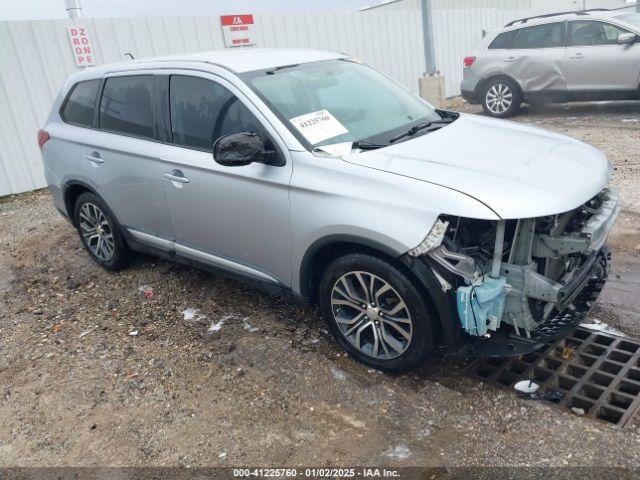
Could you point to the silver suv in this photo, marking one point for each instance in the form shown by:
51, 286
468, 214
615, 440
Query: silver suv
414, 230
581, 56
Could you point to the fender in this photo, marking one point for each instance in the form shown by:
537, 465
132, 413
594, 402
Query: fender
441, 300
306, 266
444, 302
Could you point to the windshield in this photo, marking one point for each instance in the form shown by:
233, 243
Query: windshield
630, 18
339, 101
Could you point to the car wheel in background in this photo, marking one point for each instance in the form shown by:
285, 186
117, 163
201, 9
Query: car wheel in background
376, 312
99, 232
501, 98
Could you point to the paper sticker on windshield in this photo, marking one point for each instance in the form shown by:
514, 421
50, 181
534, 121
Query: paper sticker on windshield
318, 126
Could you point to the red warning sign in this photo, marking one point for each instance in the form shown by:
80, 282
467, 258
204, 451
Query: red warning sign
237, 30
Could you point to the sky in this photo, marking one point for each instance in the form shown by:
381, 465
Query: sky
44, 9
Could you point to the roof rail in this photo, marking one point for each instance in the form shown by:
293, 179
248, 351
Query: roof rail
549, 15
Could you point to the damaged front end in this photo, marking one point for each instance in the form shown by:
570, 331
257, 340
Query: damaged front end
518, 283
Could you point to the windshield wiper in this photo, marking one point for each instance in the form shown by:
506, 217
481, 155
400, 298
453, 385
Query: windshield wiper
416, 128
277, 69
364, 145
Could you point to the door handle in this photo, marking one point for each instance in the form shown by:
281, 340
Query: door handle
577, 55
94, 157
510, 59
176, 176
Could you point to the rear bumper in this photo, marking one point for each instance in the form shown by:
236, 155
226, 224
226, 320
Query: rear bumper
469, 85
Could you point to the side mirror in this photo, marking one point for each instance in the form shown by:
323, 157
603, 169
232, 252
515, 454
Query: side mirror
627, 38
239, 149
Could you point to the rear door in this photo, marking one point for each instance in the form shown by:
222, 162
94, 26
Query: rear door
235, 218
122, 161
596, 63
535, 58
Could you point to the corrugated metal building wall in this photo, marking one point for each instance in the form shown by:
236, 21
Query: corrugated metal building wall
547, 5
35, 59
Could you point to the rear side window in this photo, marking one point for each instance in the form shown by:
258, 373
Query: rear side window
589, 33
203, 111
126, 105
81, 103
502, 41
541, 36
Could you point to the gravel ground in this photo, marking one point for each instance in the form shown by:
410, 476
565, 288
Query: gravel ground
203, 371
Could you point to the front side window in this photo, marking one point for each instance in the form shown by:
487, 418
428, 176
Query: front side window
203, 111
80, 106
126, 105
590, 33
337, 101
541, 36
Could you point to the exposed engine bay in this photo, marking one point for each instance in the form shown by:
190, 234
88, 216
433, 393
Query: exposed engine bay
514, 274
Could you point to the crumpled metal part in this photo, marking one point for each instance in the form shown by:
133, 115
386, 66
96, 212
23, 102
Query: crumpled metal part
536, 75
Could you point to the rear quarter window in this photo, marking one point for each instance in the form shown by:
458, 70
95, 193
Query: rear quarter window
126, 105
502, 41
81, 103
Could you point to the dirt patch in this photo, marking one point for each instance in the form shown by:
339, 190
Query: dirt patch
625, 235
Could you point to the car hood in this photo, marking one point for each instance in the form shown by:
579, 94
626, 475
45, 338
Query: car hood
516, 170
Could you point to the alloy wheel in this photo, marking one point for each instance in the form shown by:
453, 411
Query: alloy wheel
499, 98
371, 315
96, 231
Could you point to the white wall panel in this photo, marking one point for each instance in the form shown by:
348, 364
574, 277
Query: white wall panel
35, 59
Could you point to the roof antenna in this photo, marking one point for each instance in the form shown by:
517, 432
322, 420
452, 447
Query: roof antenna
130, 55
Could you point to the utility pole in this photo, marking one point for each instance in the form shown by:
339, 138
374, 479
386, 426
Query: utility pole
427, 32
73, 8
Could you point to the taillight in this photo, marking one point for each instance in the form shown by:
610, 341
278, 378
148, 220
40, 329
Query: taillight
43, 137
468, 61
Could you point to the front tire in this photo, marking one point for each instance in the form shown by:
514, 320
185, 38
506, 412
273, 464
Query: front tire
100, 233
501, 98
376, 312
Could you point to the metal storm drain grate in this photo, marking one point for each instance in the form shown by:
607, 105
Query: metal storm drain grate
588, 370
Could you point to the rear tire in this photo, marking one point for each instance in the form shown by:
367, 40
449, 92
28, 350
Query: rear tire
376, 312
100, 232
501, 98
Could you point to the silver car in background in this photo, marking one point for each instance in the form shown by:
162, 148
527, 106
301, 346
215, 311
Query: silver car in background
581, 56
414, 230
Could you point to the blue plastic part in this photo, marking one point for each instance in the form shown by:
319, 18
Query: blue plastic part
480, 307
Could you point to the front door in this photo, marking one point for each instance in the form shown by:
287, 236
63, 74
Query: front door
595, 62
235, 218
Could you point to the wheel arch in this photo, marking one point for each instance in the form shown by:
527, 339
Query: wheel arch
320, 254
324, 250
482, 84
70, 193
